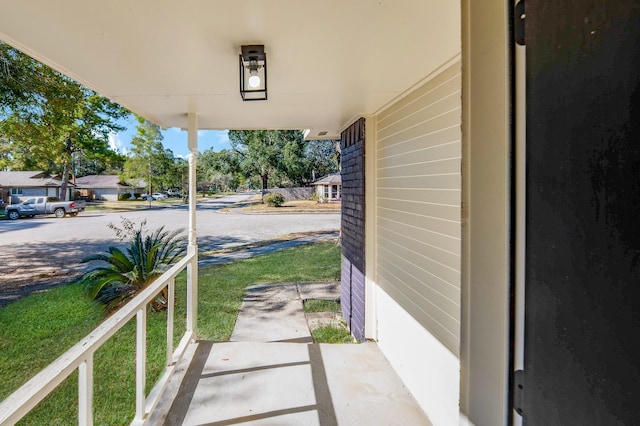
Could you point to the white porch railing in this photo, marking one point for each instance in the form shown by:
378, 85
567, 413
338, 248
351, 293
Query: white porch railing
80, 356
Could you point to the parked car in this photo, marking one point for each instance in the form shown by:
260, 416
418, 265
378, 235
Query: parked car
155, 196
159, 196
44, 205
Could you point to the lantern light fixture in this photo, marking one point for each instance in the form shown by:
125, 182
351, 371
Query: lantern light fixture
253, 73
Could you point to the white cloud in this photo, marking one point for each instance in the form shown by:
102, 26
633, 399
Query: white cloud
221, 139
116, 144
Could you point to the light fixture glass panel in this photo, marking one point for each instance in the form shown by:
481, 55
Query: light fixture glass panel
253, 73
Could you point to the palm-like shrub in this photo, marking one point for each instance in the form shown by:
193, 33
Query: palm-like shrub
131, 270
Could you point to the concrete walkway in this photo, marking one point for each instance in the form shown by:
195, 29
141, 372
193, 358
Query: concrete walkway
271, 373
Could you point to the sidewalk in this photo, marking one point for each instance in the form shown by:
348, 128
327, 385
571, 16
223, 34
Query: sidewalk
271, 373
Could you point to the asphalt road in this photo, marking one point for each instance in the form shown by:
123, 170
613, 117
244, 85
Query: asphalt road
36, 252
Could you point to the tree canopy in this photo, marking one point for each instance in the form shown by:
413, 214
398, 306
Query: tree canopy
48, 120
219, 170
322, 157
148, 159
281, 157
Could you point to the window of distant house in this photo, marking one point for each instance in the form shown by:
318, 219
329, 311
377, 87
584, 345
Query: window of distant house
16, 191
326, 191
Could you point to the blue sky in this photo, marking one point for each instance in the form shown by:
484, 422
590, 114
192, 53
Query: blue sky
174, 139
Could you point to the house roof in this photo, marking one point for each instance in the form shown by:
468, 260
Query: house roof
332, 179
329, 61
21, 179
104, 181
99, 181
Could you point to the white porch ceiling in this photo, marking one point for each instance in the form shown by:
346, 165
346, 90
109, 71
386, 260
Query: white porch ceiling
328, 61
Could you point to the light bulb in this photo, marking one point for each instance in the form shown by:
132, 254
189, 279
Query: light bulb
254, 81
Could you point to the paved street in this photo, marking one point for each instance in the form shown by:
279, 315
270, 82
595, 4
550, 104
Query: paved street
35, 252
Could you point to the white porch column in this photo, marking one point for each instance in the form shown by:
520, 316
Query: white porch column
193, 149
192, 269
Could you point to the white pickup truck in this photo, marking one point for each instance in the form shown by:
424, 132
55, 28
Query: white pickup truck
44, 205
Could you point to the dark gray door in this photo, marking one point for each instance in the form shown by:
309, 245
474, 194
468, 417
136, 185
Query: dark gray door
582, 317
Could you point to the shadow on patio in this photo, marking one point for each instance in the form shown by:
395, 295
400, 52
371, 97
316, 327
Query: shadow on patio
280, 378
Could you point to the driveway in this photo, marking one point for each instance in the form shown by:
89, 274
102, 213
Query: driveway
38, 253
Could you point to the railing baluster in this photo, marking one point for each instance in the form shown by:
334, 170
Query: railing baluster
141, 361
85, 392
171, 289
192, 291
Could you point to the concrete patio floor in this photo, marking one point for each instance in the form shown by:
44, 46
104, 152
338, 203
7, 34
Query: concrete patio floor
271, 373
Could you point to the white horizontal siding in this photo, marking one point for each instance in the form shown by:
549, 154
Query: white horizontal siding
440, 144
418, 193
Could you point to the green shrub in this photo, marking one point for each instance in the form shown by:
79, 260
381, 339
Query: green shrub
123, 197
275, 199
129, 271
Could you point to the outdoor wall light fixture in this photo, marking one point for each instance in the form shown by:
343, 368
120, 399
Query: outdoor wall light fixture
253, 73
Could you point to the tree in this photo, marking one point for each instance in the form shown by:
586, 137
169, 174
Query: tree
149, 160
322, 157
16, 74
182, 173
220, 170
292, 162
48, 118
111, 162
269, 154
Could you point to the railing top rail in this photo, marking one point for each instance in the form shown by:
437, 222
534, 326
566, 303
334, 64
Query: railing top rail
37, 388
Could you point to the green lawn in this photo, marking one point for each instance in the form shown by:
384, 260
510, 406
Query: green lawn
36, 330
321, 305
331, 334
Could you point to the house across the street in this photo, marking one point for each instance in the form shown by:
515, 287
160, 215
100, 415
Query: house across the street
329, 188
105, 187
17, 186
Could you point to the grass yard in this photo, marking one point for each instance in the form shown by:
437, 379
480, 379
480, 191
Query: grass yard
331, 334
37, 329
297, 206
321, 305
331, 329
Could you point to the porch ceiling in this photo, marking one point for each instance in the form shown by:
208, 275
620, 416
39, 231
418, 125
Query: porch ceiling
328, 61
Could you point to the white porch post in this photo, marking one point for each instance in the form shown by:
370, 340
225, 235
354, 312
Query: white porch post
193, 149
192, 269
